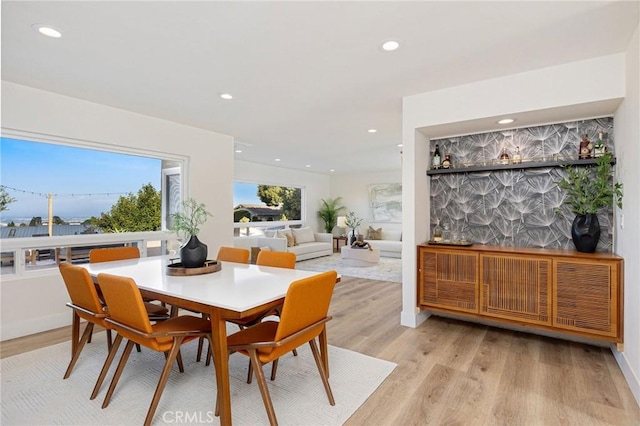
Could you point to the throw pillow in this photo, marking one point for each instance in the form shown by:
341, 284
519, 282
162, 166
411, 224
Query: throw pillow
287, 234
303, 235
374, 234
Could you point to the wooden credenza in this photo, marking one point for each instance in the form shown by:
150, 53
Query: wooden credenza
558, 290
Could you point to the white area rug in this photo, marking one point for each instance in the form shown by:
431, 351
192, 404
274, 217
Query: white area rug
34, 393
388, 269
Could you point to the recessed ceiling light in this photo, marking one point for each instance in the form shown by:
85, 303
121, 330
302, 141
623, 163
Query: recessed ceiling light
390, 45
307, 165
239, 151
47, 30
226, 96
399, 145
332, 170
372, 130
277, 159
506, 121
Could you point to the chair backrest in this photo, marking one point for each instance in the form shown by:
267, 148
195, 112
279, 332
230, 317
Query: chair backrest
307, 302
113, 253
233, 254
125, 304
82, 290
279, 259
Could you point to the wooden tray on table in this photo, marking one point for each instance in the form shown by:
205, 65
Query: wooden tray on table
210, 266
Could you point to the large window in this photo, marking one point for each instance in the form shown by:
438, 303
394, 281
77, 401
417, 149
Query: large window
59, 190
260, 207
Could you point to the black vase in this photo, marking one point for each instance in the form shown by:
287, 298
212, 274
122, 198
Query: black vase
194, 253
353, 237
585, 232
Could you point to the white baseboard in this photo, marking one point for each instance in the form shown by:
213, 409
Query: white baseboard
629, 375
35, 325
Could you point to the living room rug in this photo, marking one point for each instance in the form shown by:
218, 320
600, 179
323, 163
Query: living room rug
34, 393
388, 269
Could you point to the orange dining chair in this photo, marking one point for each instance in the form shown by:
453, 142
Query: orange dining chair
128, 317
225, 254
303, 318
278, 259
86, 305
110, 254
124, 253
233, 254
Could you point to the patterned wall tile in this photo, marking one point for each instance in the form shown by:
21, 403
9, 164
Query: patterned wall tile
514, 207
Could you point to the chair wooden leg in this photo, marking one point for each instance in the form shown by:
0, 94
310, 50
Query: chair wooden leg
118, 373
105, 367
295, 352
262, 384
200, 343
75, 332
85, 336
173, 354
274, 368
109, 339
138, 348
323, 375
179, 358
250, 373
209, 354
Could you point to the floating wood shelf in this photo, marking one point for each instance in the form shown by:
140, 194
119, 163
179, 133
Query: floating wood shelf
519, 166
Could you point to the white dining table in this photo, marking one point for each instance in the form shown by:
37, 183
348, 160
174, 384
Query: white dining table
236, 291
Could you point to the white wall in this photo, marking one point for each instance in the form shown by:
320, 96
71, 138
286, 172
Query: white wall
596, 80
627, 136
36, 304
316, 185
354, 190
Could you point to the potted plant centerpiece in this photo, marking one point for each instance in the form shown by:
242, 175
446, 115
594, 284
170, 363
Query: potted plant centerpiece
186, 223
353, 222
588, 190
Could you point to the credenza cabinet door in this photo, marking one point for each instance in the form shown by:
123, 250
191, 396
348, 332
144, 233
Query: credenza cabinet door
516, 288
448, 279
586, 296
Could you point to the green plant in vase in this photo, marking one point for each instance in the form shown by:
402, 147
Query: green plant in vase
187, 224
587, 191
353, 222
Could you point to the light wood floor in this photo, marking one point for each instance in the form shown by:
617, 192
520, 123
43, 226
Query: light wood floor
453, 372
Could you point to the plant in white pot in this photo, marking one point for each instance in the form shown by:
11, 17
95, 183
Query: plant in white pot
589, 190
186, 223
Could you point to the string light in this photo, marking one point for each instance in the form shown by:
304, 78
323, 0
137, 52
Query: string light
46, 195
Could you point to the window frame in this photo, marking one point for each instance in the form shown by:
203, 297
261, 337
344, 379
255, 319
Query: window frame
20, 245
278, 223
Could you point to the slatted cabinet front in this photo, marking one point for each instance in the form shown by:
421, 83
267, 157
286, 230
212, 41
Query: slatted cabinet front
558, 290
449, 280
516, 287
586, 297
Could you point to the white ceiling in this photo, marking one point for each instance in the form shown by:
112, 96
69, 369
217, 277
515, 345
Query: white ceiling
308, 78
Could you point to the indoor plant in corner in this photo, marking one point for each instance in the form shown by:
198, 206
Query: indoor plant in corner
588, 190
329, 212
186, 223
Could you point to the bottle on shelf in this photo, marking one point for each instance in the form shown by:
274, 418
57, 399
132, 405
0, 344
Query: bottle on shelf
436, 159
437, 232
504, 156
599, 148
446, 232
446, 163
585, 148
517, 158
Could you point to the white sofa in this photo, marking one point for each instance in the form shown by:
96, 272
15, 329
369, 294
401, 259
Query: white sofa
390, 244
306, 245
